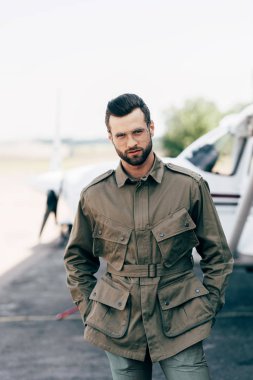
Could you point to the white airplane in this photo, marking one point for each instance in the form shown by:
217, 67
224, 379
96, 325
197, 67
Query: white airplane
224, 157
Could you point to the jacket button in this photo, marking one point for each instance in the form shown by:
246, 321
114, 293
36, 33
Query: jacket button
186, 224
119, 304
166, 303
162, 234
122, 238
94, 293
100, 232
197, 290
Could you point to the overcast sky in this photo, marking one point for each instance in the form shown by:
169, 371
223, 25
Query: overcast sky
89, 51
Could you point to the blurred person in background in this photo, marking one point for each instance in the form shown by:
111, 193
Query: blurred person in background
144, 219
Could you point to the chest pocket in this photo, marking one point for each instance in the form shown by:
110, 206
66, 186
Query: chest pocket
175, 236
110, 240
110, 309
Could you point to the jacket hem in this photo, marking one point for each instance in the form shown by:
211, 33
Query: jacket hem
198, 338
135, 355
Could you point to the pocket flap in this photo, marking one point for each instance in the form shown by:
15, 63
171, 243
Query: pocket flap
178, 293
110, 294
173, 225
110, 230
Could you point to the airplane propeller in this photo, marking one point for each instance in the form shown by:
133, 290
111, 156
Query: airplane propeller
51, 206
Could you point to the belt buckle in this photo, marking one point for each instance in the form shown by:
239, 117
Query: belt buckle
152, 270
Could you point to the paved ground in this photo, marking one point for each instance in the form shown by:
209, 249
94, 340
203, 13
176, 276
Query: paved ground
35, 346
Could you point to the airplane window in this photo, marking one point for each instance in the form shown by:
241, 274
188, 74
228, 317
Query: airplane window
220, 157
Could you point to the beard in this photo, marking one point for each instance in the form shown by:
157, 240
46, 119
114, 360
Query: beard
140, 156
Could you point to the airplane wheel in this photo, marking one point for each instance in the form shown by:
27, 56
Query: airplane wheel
65, 232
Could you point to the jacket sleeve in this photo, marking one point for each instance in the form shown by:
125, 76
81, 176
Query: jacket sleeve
80, 263
216, 259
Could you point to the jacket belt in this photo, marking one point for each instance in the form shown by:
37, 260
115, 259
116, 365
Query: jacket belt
150, 270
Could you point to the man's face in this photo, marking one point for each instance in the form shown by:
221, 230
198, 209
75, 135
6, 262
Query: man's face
131, 137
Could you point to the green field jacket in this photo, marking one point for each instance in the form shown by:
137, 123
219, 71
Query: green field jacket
146, 230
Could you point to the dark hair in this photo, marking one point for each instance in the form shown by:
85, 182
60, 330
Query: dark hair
123, 105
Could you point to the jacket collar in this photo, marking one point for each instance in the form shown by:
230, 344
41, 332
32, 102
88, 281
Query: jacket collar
156, 173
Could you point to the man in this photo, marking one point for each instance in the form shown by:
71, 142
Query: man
144, 219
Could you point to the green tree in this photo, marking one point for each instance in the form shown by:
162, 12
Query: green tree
186, 124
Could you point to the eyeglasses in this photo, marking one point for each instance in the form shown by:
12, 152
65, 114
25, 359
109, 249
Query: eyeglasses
137, 134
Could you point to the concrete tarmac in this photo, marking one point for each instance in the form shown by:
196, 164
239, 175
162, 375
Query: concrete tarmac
36, 346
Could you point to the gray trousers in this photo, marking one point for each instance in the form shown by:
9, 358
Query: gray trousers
189, 364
